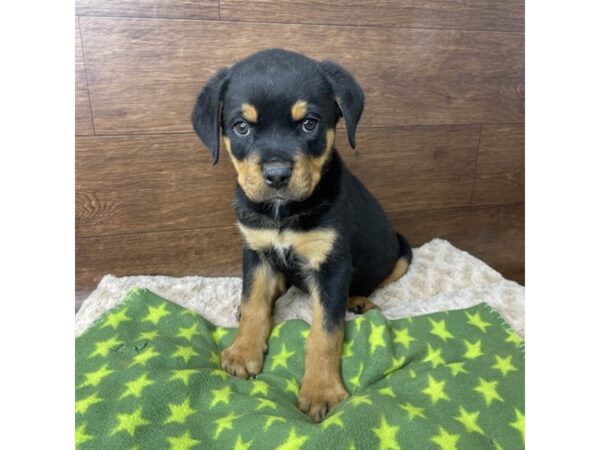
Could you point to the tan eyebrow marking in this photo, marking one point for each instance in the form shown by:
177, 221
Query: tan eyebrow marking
249, 112
299, 110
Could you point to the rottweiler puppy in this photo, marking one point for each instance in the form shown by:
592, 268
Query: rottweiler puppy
306, 220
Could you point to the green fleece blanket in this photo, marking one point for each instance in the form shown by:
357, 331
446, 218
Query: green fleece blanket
148, 377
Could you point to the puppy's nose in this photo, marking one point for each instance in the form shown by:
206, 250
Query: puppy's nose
277, 174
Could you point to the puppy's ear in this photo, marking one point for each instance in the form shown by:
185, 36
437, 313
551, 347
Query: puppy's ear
348, 94
206, 116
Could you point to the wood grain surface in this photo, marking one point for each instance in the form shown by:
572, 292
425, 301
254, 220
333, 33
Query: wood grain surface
145, 73
83, 113
500, 165
465, 15
172, 9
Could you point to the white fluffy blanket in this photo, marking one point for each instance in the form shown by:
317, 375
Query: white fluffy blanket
440, 278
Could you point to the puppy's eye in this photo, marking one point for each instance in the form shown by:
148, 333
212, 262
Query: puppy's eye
309, 125
241, 128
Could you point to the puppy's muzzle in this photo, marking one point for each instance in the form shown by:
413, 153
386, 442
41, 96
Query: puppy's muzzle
277, 174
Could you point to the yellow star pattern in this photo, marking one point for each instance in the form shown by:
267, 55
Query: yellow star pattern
225, 423
80, 435
347, 349
439, 329
156, 313
445, 440
413, 411
456, 368
143, 357
180, 412
335, 419
220, 373
403, 337
488, 390
514, 338
387, 391
259, 387
186, 352
435, 390
103, 348
281, 358
473, 350
183, 442
469, 420
476, 320
241, 445
504, 365
271, 420
358, 321
386, 435
94, 378
292, 386
359, 399
305, 333
376, 337
218, 334
136, 386
519, 423
81, 406
147, 335
397, 363
115, 319
434, 356
355, 380
189, 333
215, 359
265, 403
294, 441
183, 375
276, 330
220, 396
130, 422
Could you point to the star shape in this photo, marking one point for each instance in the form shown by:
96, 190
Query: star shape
81, 406
413, 411
469, 420
80, 435
386, 435
397, 363
241, 445
220, 373
376, 337
186, 352
387, 391
504, 365
114, 319
281, 358
488, 390
435, 390
265, 403
180, 412
305, 333
94, 378
358, 322
403, 337
434, 356
359, 399
347, 349
218, 334
183, 442
147, 335
276, 329
473, 350
519, 423
259, 387
215, 359
477, 321
143, 357
439, 329
294, 441
225, 423
136, 386
272, 419
355, 380
292, 386
456, 368
220, 396
514, 338
333, 420
130, 422
183, 375
189, 333
156, 313
445, 440
103, 348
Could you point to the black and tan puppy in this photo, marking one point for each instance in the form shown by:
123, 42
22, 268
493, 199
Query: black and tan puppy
306, 220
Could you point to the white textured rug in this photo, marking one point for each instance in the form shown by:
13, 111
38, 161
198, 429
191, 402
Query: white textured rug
440, 278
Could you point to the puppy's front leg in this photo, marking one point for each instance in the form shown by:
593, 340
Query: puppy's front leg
322, 386
262, 286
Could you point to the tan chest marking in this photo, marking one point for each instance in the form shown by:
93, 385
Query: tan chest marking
311, 246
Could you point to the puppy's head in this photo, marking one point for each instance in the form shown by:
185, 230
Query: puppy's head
276, 112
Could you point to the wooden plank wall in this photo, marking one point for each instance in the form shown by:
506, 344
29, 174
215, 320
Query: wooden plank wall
441, 142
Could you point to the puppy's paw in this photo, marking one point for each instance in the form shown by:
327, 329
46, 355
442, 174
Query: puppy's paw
242, 361
360, 305
317, 398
